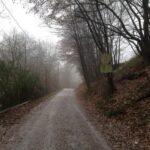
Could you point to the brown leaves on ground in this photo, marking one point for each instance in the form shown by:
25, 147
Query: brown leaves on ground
14, 116
125, 119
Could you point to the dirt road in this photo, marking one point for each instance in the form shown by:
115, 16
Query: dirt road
57, 124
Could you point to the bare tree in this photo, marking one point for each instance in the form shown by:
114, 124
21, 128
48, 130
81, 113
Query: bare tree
27, 69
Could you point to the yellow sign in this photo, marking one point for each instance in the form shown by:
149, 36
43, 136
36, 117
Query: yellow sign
106, 63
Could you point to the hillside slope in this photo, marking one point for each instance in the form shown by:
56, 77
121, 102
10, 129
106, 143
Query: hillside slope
125, 118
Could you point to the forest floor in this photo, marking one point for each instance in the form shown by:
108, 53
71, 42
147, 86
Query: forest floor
124, 119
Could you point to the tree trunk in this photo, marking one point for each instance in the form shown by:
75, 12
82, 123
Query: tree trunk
145, 43
111, 86
145, 50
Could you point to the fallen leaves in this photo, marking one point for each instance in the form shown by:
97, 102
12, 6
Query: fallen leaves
129, 130
14, 116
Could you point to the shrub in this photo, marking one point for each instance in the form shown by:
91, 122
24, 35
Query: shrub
17, 85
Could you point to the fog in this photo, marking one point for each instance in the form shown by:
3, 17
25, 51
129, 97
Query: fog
69, 76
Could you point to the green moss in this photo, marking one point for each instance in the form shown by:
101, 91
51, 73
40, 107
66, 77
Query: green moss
114, 113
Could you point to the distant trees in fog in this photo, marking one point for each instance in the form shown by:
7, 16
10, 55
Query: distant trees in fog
28, 69
98, 29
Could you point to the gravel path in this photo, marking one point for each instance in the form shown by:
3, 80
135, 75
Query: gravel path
57, 124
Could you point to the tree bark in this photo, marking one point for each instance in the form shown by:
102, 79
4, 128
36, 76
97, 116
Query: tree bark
110, 84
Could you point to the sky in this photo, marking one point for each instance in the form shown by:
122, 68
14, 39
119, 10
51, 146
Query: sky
32, 24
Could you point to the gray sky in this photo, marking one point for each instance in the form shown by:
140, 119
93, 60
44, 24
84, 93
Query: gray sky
30, 23
33, 25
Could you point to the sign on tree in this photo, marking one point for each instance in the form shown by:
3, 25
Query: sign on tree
106, 63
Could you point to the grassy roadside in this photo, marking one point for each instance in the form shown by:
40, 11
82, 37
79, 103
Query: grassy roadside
125, 119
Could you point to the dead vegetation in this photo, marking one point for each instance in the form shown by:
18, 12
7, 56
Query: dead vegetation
125, 117
13, 116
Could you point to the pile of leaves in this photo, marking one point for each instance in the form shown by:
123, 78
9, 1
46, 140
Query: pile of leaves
125, 118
